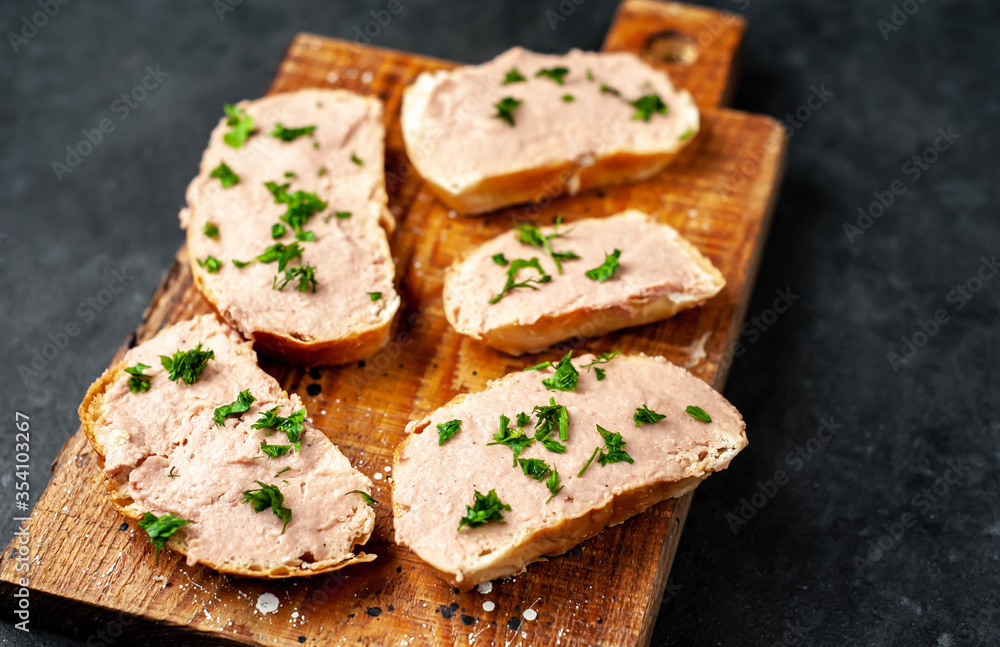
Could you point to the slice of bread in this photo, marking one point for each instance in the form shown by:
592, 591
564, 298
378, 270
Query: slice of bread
671, 456
659, 274
349, 315
160, 451
610, 118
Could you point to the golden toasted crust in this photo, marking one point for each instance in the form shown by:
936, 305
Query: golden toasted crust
517, 339
557, 539
90, 412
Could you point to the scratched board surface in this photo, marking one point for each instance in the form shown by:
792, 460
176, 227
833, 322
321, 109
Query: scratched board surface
92, 574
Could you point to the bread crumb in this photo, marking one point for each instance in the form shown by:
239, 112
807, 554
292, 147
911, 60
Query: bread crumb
485, 587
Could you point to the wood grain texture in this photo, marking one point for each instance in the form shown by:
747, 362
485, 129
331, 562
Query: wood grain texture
88, 576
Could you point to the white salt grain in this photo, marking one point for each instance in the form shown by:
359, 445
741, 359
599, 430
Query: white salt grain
530, 614
485, 587
267, 603
488, 606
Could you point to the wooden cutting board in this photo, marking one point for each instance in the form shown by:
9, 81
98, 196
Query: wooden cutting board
94, 577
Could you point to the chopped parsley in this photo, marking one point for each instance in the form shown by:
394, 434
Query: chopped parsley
278, 230
603, 358
301, 206
555, 73
590, 75
513, 77
138, 383
187, 365
321, 172
505, 109
274, 451
305, 274
171, 475
687, 133
552, 418
342, 214
512, 283
242, 124
211, 230
536, 468
605, 270
160, 528
500, 259
553, 484
448, 429
646, 106
523, 419
268, 496
281, 253
484, 509
365, 496
374, 296
646, 415
698, 413
211, 264
289, 134
225, 175
568, 98
240, 405
282, 471
589, 461
566, 377
607, 89
239, 263
292, 425
515, 439
289, 174
356, 160
613, 444
529, 234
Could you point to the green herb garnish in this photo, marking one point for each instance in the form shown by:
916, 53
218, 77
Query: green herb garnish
281, 253
647, 105
278, 230
282, 471
484, 509
553, 484
364, 495
211, 230
160, 529
552, 418
513, 77
613, 444
301, 206
500, 259
698, 413
274, 451
268, 496
225, 175
529, 234
607, 89
242, 124
239, 263
605, 270
603, 358
589, 461
555, 73
512, 283
515, 439
687, 133
171, 475
289, 134
566, 377
505, 109
536, 468
211, 264
186, 365
568, 98
292, 425
305, 274
448, 429
374, 296
356, 160
138, 383
646, 415
238, 406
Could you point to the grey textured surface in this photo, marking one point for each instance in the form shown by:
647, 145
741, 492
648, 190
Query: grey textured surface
781, 568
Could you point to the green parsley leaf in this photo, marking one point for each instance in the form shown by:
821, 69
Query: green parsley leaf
225, 175
238, 406
505, 109
698, 413
364, 495
589, 461
282, 471
603, 358
607, 89
687, 134
555, 73
289, 134
278, 230
500, 259
523, 420
281, 253
515, 439
374, 296
590, 75
268, 496
599, 372
553, 484
551, 418
289, 174
529, 234
484, 509
301, 206
187, 365
321, 172
513, 77
568, 98
448, 429
536, 468
613, 443
566, 377
646, 415
274, 451
211, 264
211, 230
647, 105
305, 274
171, 475
554, 445
242, 124
292, 425
605, 270
342, 214
239, 263
512, 283
138, 382
356, 160
160, 528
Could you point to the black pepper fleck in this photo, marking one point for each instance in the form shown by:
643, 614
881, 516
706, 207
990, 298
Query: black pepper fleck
302, 639
577, 550
514, 624
391, 608
374, 611
314, 373
399, 569
361, 364
600, 621
123, 527
449, 611
468, 620
314, 389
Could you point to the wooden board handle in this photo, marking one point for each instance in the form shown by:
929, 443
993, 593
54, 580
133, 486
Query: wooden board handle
697, 47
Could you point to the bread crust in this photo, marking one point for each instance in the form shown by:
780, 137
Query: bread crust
516, 339
571, 531
90, 412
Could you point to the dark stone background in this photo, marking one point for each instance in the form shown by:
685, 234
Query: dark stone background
788, 575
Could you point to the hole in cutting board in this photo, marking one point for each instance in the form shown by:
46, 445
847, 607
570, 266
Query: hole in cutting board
670, 48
